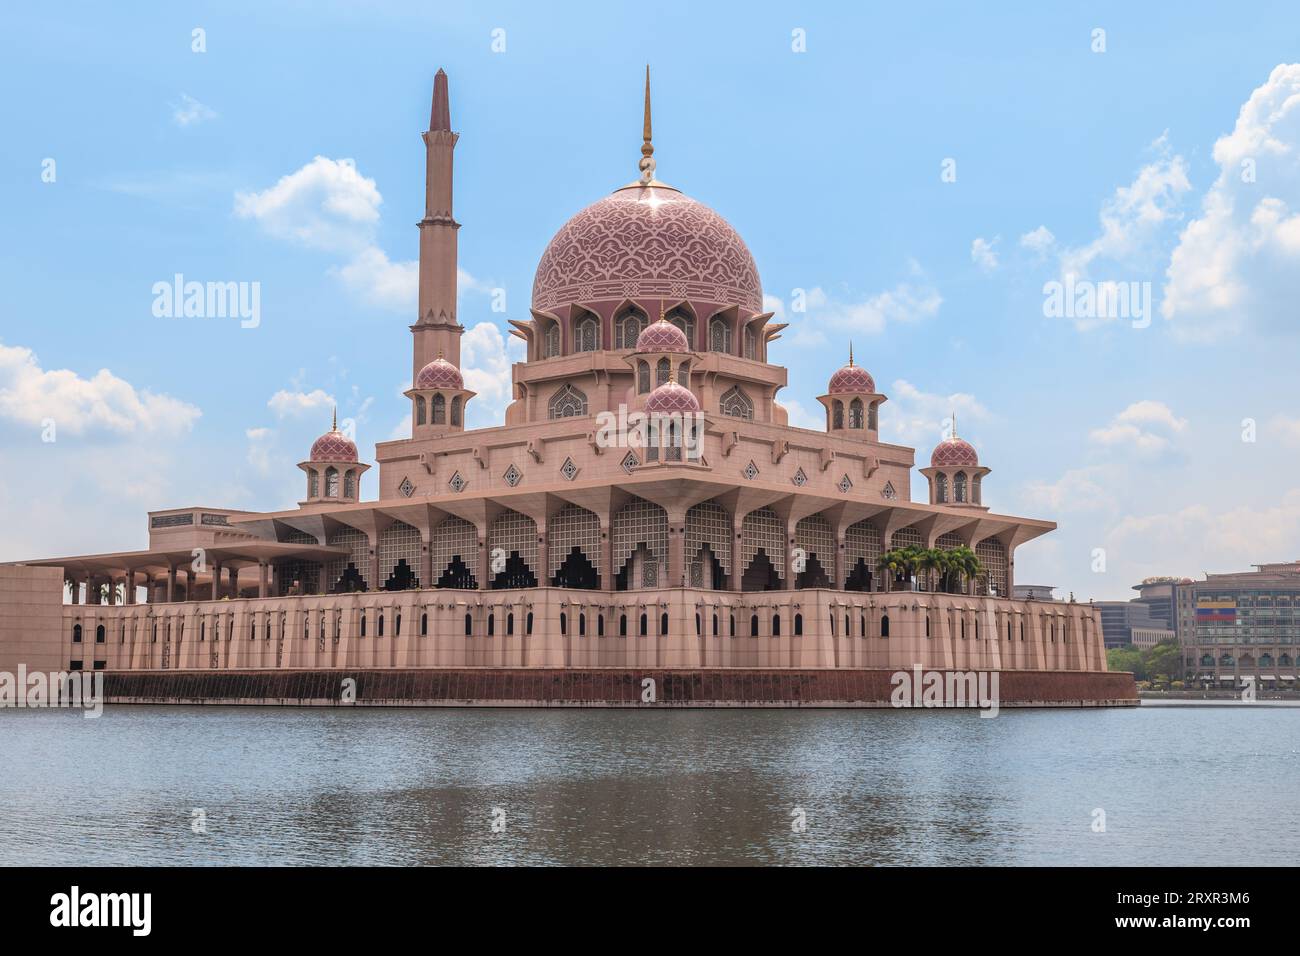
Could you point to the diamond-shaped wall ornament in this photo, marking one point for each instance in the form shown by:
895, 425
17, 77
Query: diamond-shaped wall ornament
889, 491
751, 471
845, 485
630, 462
800, 479
513, 476
457, 483
406, 488
569, 470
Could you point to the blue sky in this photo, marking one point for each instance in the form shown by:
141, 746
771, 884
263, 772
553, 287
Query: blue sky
827, 161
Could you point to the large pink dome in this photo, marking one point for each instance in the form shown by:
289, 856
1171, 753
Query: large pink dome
851, 378
953, 452
439, 374
671, 398
647, 242
333, 446
662, 336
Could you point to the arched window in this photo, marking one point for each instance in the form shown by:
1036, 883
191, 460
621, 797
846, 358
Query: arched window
622, 625
99, 634
349, 484
628, 327
686, 322
439, 410
927, 625
588, 335
419, 410
645, 626
776, 625
737, 404
379, 629
313, 483
528, 624
975, 490
715, 625
363, 626
941, 488
663, 624
455, 410
662, 370
751, 344
582, 624
733, 625
753, 625
798, 625
492, 624
684, 374
642, 377
959, 486
568, 402
424, 625
719, 335
469, 625
397, 624
551, 341
331, 482
873, 417
837, 414
855, 413
884, 625
510, 624
564, 623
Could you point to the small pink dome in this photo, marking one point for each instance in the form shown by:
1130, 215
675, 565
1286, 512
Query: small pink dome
662, 336
952, 452
440, 374
851, 378
333, 446
671, 398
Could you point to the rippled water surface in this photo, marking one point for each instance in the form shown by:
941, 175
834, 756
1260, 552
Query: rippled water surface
1185, 785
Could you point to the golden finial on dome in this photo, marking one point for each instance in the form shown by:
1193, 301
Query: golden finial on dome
647, 164
850, 351
439, 355
954, 423
335, 427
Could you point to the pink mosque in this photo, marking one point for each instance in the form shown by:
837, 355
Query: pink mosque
565, 557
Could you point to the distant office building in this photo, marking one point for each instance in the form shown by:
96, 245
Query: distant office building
1119, 619
1033, 592
1158, 595
1245, 624
1148, 637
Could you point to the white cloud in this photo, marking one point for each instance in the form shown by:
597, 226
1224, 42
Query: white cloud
378, 280
30, 394
1237, 265
919, 418
774, 305
804, 417
1038, 241
190, 112
1284, 428
261, 447
1147, 427
485, 360
983, 254
1079, 489
326, 205
1133, 217
286, 404
906, 302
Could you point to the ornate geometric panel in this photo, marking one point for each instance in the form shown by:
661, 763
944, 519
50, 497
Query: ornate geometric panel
573, 527
719, 336
630, 462
815, 536
568, 402
751, 471
399, 541
452, 538
737, 404
889, 491
640, 522
406, 488
512, 531
457, 483
994, 558
800, 479
358, 556
569, 470
862, 540
707, 524
513, 475
628, 328
845, 485
907, 538
763, 529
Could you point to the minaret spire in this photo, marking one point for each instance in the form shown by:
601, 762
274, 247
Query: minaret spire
647, 164
850, 351
440, 118
335, 427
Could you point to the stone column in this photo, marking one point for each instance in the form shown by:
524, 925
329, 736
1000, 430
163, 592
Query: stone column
129, 587
261, 579
788, 582
376, 583
484, 573
171, 583
737, 562
189, 584
234, 583
426, 564
840, 570
216, 580
676, 549
606, 554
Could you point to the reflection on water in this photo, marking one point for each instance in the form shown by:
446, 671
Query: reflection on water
1178, 786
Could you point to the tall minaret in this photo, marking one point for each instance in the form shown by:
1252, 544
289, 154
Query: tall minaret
436, 330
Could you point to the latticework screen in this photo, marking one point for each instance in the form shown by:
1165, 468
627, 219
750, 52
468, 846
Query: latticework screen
513, 531
640, 522
398, 542
453, 538
358, 546
573, 527
815, 536
862, 540
907, 538
994, 558
707, 524
763, 529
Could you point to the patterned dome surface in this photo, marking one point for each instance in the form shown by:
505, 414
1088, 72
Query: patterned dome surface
954, 451
851, 378
671, 398
439, 374
662, 336
333, 446
649, 242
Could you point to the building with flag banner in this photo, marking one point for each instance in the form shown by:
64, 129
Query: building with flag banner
1246, 625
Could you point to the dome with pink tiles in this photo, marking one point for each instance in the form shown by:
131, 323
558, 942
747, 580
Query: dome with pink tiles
334, 446
954, 452
851, 379
662, 336
671, 398
440, 374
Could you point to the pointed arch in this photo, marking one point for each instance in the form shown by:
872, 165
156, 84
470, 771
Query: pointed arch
719, 335
573, 534
512, 548
586, 333
568, 402
629, 323
439, 416
737, 404
639, 528
454, 554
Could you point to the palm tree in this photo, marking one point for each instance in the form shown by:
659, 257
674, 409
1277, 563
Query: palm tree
930, 560
966, 564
